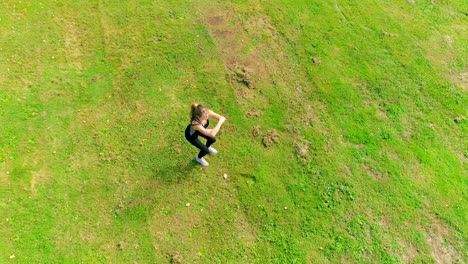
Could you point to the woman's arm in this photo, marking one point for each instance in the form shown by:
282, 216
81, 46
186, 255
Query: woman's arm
214, 115
210, 132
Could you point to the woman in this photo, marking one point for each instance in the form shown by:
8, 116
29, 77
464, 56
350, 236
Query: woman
199, 121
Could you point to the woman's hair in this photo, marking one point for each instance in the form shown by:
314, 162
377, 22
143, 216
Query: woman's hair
196, 111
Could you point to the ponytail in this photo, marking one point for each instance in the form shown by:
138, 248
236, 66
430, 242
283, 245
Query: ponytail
196, 110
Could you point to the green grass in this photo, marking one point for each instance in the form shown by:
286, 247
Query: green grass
371, 161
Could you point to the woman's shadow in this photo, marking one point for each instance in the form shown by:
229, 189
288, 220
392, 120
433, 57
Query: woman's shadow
174, 166
174, 173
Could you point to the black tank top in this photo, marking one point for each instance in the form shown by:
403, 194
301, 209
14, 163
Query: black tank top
196, 119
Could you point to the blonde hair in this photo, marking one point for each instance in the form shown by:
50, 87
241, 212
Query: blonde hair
196, 110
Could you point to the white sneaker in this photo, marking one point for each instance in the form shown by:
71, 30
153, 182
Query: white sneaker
202, 161
212, 150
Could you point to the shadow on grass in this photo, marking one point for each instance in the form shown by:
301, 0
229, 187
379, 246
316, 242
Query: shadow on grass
175, 173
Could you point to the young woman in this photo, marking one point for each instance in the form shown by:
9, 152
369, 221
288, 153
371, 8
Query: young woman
199, 121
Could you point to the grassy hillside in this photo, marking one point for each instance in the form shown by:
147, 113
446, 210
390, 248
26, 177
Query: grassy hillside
345, 140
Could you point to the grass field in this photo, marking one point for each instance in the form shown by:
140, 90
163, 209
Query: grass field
345, 140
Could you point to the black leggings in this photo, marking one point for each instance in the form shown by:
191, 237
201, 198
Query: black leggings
193, 139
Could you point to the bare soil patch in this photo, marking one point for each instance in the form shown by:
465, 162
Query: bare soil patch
461, 79
271, 138
316, 60
141, 110
374, 173
408, 252
414, 169
242, 75
141, 107
438, 240
89, 117
245, 68
39, 176
260, 26
73, 44
254, 113
256, 132
216, 20
302, 149
175, 257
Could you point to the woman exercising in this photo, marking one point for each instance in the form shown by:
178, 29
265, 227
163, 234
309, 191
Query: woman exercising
199, 121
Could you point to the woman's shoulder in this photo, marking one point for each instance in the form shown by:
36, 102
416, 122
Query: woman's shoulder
195, 121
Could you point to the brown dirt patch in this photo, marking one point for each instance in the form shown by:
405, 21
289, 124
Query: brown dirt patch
97, 77
87, 236
256, 132
382, 113
374, 173
260, 26
228, 38
408, 253
460, 79
39, 176
222, 34
141, 107
438, 240
302, 149
175, 257
316, 61
242, 75
254, 113
72, 40
271, 138
245, 67
141, 110
414, 170
459, 119
89, 117
216, 20
463, 157
345, 170
448, 40
310, 115
393, 155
